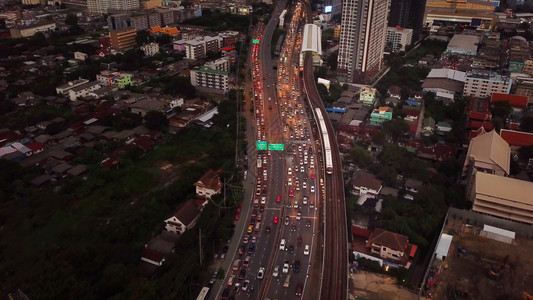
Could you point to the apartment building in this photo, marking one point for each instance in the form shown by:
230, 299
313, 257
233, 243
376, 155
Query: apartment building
150, 49
398, 38
362, 39
31, 30
123, 39
380, 116
200, 46
114, 79
368, 95
63, 89
502, 197
106, 6
213, 80
83, 90
221, 64
482, 83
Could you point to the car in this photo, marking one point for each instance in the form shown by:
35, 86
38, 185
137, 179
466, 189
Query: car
287, 220
241, 250
259, 216
275, 220
308, 224
312, 189
295, 204
293, 228
254, 212
246, 239
299, 241
251, 248
313, 175
245, 285
304, 184
231, 280
242, 274
225, 294
299, 215
237, 216
250, 228
267, 230
246, 261
222, 256
278, 198
311, 204
285, 267
291, 193
304, 200
291, 249
299, 289
257, 226
282, 244
306, 250
275, 273
254, 239
296, 266
261, 273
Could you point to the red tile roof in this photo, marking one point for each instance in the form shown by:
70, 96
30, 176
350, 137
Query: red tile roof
35, 146
210, 180
517, 138
413, 127
360, 231
514, 100
391, 240
476, 115
411, 112
478, 124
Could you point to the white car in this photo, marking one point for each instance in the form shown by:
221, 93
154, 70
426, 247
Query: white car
312, 189
261, 273
299, 215
282, 244
286, 267
304, 200
306, 250
231, 280
276, 272
304, 185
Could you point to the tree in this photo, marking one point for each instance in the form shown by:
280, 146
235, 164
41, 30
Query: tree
526, 123
71, 19
395, 128
378, 138
501, 109
143, 37
155, 120
332, 60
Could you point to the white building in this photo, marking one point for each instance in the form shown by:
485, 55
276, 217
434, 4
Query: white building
105, 6
150, 49
221, 64
80, 56
482, 83
399, 38
185, 217
83, 90
208, 185
362, 39
208, 78
63, 89
198, 48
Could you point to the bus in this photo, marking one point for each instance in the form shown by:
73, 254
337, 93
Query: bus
203, 293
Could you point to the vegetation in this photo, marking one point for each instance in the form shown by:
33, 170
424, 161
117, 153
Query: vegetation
220, 21
86, 236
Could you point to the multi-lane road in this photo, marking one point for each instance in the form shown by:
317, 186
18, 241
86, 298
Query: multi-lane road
277, 250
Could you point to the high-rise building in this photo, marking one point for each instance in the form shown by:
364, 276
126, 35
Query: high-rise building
106, 6
123, 39
398, 38
362, 39
408, 14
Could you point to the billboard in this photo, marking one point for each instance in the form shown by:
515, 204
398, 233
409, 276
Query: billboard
328, 9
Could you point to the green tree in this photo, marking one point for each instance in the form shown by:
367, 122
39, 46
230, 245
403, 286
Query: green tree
360, 157
501, 109
526, 123
71, 19
378, 138
143, 37
396, 128
156, 120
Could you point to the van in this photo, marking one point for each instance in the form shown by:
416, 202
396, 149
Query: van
282, 244
236, 264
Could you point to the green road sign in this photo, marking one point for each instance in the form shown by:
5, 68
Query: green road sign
261, 145
278, 147
255, 41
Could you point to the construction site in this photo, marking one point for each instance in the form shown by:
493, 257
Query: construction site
480, 267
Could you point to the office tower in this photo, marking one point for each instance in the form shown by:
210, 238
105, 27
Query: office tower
362, 39
105, 6
408, 14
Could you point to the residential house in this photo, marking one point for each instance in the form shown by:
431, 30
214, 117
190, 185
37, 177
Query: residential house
152, 257
488, 153
184, 218
143, 106
428, 126
412, 186
63, 89
367, 95
443, 127
395, 91
446, 84
364, 183
380, 115
208, 185
391, 247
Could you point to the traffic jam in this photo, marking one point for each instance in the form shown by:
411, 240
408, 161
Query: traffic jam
241, 278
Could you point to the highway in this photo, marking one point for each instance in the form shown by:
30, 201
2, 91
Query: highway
274, 251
